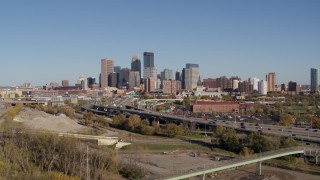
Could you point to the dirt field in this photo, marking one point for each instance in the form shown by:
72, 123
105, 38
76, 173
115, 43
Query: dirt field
39, 120
270, 173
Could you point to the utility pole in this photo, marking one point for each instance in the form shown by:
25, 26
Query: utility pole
88, 173
235, 119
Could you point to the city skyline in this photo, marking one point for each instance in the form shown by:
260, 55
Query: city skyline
43, 42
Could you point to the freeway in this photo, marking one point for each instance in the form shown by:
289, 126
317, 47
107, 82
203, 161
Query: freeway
310, 135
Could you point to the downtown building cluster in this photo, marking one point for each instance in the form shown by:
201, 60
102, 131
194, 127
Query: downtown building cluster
145, 78
188, 79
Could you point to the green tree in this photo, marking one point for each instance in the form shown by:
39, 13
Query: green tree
288, 142
286, 120
173, 130
219, 131
119, 120
259, 111
227, 98
230, 141
133, 122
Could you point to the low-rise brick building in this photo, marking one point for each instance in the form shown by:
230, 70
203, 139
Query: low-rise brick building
215, 106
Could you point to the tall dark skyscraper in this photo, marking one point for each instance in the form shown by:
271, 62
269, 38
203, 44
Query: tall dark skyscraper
314, 80
178, 76
183, 81
136, 64
91, 81
148, 59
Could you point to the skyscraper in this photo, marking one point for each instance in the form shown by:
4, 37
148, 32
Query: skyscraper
107, 67
148, 59
314, 80
271, 80
254, 81
178, 76
263, 87
166, 74
124, 77
149, 70
134, 79
136, 64
191, 76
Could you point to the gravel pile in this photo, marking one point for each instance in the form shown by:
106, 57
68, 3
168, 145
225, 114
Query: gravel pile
40, 120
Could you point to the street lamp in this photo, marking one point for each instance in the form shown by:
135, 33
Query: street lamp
235, 119
205, 124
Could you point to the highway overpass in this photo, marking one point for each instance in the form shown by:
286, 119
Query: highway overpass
208, 125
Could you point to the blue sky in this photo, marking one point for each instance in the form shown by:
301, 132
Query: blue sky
45, 41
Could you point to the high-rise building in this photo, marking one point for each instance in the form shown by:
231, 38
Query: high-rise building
245, 87
166, 74
149, 70
107, 67
148, 59
191, 76
83, 83
169, 87
124, 77
271, 79
149, 85
136, 64
314, 86
254, 81
91, 81
178, 76
113, 79
183, 79
263, 87
134, 79
222, 83
65, 83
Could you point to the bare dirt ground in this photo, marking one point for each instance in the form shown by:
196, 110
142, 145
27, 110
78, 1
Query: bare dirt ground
270, 173
40, 120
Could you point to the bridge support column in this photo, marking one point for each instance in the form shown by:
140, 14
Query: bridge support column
258, 168
316, 160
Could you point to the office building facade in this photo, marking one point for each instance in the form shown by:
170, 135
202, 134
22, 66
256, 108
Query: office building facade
136, 64
169, 87
65, 83
263, 87
314, 86
191, 75
107, 67
271, 79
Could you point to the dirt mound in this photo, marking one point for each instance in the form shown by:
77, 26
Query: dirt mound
36, 119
